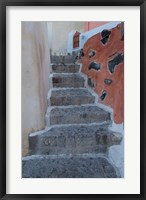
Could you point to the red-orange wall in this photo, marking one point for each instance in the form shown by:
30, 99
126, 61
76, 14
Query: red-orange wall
105, 53
90, 25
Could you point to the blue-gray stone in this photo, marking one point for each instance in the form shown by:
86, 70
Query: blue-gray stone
67, 166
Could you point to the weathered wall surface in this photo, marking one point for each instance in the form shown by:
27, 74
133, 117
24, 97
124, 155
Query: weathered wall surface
35, 72
90, 25
107, 69
60, 31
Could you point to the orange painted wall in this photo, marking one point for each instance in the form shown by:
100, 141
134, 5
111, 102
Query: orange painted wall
90, 25
105, 53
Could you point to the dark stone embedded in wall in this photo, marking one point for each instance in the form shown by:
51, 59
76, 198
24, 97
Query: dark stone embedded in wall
108, 81
94, 65
90, 83
105, 36
91, 53
103, 95
114, 62
81, 53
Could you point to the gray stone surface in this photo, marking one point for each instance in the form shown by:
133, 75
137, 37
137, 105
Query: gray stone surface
74, 139
56, 59
69, 59
76, 115
63, 59
68, 80
72, 146
67, 166
67, 68
70, 97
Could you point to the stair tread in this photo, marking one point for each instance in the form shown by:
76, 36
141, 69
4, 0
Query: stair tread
65, 68
63, 59
71, 92
67, 80
65, 65
67, 166
64, 110
70, 96
76, 114
75, 129
67, 75
99, 126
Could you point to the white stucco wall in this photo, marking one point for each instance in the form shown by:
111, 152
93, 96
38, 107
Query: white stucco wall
35, 72
60, 31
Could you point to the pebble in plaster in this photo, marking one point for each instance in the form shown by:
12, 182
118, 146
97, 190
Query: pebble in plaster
104, 94
91, 53
108, 81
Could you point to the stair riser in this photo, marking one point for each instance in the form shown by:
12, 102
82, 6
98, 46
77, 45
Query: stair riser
63, 59
68, 82
65, 68
73, 100
70, 143
67, 167
77, 118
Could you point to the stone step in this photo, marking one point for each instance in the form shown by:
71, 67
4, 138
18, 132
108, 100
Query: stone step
67, 80
70, 96
67, 166
73, 139
76, 115
63, 59
67, 68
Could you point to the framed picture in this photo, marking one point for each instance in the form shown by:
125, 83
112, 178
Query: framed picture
72, 120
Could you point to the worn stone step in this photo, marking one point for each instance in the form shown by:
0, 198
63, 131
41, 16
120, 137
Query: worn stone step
73, 139
67, 80
65, 68
68, 166
63, 59
76, 115
70, 96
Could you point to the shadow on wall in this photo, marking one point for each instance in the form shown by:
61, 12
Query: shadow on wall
35, 72
103, 63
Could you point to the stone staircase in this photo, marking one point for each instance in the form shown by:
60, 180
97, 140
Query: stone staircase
76, 139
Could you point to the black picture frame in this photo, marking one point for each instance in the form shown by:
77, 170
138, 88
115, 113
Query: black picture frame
3, 126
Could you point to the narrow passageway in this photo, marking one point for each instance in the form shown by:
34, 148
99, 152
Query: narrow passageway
76, 139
